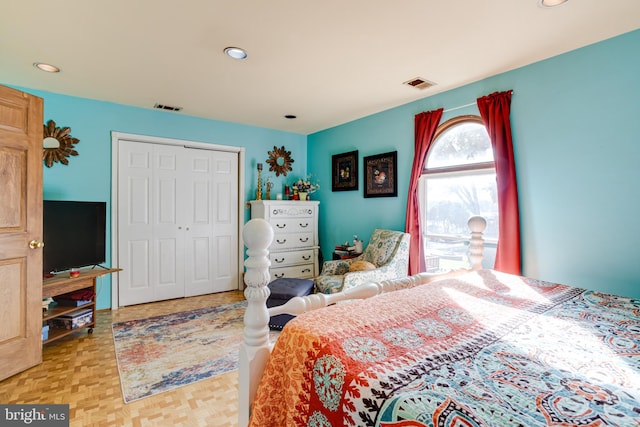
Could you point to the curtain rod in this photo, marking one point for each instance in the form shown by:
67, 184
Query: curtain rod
457, 108
465, 105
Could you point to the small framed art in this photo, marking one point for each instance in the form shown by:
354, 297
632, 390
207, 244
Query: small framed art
344, 171
380, 175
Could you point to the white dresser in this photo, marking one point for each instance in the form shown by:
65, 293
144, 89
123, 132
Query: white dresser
294, 251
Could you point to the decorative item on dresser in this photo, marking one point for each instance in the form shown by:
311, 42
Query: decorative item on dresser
259, 190
294, 251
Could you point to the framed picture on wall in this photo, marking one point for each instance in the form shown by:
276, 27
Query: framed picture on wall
344, 171
380, 175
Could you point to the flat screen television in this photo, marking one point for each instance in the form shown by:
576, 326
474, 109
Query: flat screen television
74, 234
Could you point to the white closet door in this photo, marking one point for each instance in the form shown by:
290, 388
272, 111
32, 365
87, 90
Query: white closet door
177, 222
148, 241
225, 231
211, 238
170, 221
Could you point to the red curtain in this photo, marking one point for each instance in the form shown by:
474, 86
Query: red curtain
495, 110
425, 128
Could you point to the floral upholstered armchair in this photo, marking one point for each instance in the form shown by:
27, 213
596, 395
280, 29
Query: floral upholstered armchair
387, 250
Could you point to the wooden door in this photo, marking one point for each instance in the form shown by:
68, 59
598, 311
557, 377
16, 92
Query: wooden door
21, 134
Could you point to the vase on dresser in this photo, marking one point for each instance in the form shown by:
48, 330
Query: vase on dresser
303, 195
294, 250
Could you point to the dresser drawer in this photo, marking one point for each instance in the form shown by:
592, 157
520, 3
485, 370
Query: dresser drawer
282, 259
292, 211
291, 240
299, 271
282, 225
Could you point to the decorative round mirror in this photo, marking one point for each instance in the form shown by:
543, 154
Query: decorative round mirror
57, 144
279, 161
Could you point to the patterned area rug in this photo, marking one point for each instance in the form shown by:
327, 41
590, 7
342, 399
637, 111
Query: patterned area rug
161, 353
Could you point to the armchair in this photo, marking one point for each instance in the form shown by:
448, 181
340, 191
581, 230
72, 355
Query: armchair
388, 250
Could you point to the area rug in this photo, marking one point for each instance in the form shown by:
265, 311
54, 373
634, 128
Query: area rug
161, 353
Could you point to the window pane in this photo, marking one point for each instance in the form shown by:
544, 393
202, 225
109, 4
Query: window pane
462, 144
451, 200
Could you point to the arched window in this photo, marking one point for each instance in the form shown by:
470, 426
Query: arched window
458, 181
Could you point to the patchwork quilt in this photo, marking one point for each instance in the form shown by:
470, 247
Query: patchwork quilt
482, 349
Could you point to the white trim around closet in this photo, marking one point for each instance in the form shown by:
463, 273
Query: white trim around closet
115, 138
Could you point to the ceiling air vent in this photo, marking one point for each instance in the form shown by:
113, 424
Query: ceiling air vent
419, 83
167, 107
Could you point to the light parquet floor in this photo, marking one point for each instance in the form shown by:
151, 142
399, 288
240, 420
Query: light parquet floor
81, 370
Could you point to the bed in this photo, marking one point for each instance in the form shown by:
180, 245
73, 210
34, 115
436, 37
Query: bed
474, 348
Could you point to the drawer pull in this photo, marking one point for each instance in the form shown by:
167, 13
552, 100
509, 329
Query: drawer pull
279, 260
305, 225
306, 270
281, 242
279, 275
306, 258
306, 239
281, 226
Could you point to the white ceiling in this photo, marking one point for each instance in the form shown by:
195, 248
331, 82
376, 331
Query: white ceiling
326, 61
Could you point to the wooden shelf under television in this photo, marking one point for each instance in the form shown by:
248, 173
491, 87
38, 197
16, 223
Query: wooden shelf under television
61, 284
60, 310
60, 281
57, 333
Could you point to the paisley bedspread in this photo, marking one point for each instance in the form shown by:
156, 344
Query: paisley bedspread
483, 349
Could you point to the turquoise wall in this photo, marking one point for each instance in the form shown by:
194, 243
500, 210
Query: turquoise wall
88, 176
574, 121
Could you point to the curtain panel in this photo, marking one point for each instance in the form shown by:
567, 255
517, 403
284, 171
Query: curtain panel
495, 111
425, 128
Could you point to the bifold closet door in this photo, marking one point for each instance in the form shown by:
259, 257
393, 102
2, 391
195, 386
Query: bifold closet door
175, 213
211, 238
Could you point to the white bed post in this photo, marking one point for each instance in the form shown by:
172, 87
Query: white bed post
254, 350
476, 224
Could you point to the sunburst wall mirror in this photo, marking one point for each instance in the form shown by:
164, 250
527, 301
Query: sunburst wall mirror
57, 144
280, 161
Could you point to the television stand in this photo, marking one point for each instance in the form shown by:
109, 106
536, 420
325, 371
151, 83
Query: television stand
56, 316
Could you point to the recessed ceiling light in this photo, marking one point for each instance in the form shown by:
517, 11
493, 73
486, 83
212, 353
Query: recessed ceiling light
235, 52
290, 116
46, 67
552, 3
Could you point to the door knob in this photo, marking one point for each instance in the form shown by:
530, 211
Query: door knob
35, 244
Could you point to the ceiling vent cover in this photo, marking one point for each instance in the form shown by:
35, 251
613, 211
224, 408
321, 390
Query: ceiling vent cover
419, 83
167, 107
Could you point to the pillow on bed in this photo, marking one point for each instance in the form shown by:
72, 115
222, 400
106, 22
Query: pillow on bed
361, 266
